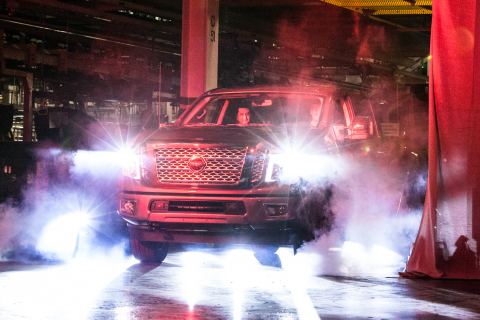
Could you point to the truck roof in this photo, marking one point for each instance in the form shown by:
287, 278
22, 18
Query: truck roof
284, 89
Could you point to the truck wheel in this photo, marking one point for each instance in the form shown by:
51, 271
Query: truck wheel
147, 251
266, 255
264, 249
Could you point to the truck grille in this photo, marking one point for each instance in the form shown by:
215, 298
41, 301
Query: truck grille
257, 168
223, 165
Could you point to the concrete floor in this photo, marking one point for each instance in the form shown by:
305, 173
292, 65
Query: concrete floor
200, 282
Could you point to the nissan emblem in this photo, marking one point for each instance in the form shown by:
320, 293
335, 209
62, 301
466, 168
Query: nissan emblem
197, 164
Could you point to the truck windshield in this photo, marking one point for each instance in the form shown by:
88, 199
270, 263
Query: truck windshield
258, 109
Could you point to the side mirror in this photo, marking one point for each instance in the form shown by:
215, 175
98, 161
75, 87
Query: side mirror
361, 128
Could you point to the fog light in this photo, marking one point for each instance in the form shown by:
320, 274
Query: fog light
276, 210
127, 206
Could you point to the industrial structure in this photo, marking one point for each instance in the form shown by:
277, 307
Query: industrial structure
112, 59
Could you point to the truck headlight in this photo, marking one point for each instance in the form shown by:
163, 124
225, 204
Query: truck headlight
131, 163
285, 162
274, 168
288, 165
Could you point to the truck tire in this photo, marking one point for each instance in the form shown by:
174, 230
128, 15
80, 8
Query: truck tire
266, 255
146, 251
264, 249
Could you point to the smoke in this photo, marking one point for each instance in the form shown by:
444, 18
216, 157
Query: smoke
371, 40
10, 217
68, 211
361, 217
365, 224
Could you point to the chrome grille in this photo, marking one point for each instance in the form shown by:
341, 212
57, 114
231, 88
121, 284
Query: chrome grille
181, 164
257, 168
206, 153
223, 165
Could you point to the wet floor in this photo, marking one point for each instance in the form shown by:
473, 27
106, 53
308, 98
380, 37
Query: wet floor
200, 282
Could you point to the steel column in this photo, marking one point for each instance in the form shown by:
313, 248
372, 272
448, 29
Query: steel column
27, 107
199, 66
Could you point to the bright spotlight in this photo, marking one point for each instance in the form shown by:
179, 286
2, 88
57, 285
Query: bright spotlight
81, 219
59, 239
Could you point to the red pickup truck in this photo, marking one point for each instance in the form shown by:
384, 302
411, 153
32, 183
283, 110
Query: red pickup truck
223, 172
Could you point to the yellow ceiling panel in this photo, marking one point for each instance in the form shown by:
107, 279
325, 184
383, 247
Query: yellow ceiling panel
379, 3
378, 7
390, 10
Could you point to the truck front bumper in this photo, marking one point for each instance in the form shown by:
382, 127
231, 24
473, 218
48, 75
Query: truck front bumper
283, 234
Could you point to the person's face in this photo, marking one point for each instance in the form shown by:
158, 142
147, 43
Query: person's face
243, 116
315, 111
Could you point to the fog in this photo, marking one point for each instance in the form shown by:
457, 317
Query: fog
68, 212
364, 210
356, 208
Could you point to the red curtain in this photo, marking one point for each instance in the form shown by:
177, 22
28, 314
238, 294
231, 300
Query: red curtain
448, 239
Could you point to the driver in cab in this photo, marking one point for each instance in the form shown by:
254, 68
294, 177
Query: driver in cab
243, 116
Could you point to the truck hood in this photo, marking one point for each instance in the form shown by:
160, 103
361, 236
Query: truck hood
234, 135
